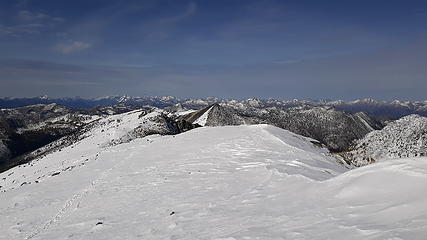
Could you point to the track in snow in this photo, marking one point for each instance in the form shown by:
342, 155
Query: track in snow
76, 198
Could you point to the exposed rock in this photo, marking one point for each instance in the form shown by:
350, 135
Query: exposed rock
335, 129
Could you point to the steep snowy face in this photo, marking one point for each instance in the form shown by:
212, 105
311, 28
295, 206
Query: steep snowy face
202, 119
215, 115
406, 137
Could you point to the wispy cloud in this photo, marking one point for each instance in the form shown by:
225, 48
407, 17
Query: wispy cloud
26, 22
190, 9
22, 3
71, 47
162, 26
5, 31
26, 15
20, 30
37, 17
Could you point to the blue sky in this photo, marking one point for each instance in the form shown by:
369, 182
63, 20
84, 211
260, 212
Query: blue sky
233, 49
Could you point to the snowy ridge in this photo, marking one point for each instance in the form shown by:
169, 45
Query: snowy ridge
91, 166
362, 118
406, 137
29, 132
101, 135
235, 182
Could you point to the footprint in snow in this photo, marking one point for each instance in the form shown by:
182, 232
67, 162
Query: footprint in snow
98, 227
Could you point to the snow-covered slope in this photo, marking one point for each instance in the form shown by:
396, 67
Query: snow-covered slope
406, 137
67, 154
152, 175
29, 132
240, 182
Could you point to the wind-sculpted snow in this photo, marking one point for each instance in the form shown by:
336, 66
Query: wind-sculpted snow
236, 182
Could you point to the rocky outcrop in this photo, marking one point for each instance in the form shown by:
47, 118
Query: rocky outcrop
406, 137
335, 129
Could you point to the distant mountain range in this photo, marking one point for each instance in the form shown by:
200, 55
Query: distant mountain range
380, 109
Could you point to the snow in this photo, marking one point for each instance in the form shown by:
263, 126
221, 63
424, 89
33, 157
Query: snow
405, 137
107, 132
235, 182
63, 120
202, 119
4, 151
197, 102
362, 120
184, 112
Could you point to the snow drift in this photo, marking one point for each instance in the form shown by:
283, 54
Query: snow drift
236, 182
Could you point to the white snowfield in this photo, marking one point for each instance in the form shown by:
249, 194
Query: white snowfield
240, 182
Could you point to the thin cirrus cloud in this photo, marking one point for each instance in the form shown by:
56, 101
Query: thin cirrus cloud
30, 16
71, 47
162, 27
27, 23
39, 18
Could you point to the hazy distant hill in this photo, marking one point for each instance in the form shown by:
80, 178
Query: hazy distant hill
380, 109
